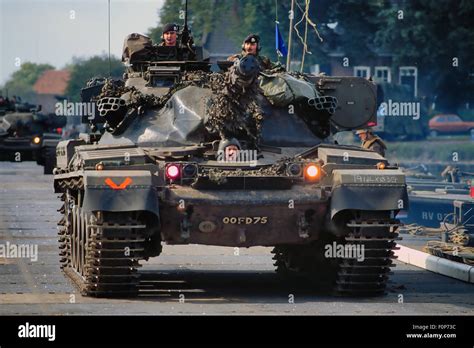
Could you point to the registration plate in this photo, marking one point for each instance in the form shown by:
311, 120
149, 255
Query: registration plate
245, 220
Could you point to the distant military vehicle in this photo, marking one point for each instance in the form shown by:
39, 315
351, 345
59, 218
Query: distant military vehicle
30, 136
233, 158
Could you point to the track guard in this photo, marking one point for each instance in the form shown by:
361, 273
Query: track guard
120, 191
372, 190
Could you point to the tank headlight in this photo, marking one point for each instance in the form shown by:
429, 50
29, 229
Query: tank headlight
294, 169
189, 171
36, 140
312, 172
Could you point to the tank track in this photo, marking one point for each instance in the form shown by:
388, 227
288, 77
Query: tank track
346, 277
370, 276
100, 252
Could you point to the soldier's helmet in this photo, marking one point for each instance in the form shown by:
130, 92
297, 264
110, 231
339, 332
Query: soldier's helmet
228, 142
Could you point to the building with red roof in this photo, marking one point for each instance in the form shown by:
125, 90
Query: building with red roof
51, 88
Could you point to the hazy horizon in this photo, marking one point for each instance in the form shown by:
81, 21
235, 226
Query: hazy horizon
47, 31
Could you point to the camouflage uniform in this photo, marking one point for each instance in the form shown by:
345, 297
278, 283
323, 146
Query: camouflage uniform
172, 56
375, 144
264, 62
178, 54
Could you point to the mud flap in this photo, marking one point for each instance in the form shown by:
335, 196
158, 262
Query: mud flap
49, 159
368, 190
368, 198
118, 191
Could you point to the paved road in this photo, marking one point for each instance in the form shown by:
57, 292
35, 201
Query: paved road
185, 279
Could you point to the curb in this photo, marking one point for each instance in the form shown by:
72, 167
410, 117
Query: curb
435, 264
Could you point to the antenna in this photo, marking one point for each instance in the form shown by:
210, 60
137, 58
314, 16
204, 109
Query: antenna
288, 58
186, 15
186, 38
277, 22
110, 61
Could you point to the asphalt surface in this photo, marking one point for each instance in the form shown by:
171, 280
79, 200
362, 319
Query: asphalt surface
193, 280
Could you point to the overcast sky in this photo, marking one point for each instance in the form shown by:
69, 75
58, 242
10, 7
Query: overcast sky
54, 31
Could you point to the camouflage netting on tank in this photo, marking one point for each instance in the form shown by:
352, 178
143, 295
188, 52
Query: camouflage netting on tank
220, 176
232, 109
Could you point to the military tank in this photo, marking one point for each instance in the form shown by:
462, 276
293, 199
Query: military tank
30, 136
235, 158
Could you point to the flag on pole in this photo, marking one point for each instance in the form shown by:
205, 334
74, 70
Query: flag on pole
279, 42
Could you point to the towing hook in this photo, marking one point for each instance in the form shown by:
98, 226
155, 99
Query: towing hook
185, 227
303, 227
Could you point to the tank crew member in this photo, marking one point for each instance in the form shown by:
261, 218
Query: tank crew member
170, 35
251, 45
229, 150
371, 142
183, 42
451, 174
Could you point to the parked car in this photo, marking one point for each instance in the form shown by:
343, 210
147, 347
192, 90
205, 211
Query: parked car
449, 124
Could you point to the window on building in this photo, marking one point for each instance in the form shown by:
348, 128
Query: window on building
362, 71
409, 77
383, 74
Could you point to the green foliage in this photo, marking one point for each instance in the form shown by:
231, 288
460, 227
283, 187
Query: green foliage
430, 35
22, 81
259, 17
466, 114
202, 16
82, 70
243, 17
430, 151
355, 33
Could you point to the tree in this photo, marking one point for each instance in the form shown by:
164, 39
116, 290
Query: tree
435, 36
202, 16
438, 38
241, 18
82, 70
357, 24
353, 34
22, 81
